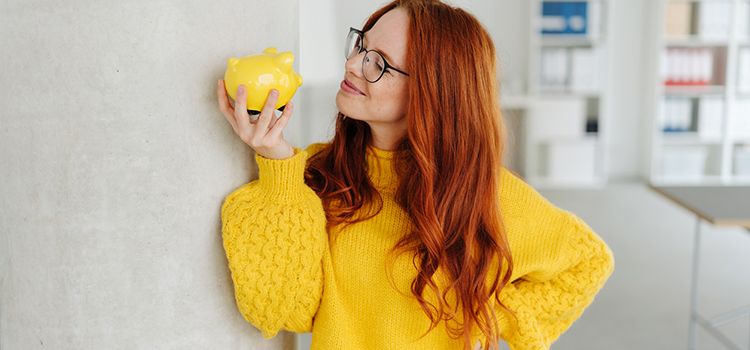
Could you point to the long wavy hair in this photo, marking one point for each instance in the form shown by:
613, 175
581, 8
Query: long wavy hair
453, 153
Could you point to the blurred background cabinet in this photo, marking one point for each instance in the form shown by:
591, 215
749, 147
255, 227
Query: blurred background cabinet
699, 96
564, 134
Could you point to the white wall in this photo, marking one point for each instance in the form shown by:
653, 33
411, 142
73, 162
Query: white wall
114, 161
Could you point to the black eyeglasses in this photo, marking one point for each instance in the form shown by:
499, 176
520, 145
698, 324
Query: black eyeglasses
374, 64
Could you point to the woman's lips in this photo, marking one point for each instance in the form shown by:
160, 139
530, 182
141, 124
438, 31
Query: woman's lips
350, 88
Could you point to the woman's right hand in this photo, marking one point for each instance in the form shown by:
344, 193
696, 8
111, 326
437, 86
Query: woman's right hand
264, 134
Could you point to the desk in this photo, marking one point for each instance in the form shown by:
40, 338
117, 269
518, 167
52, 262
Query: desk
720, 205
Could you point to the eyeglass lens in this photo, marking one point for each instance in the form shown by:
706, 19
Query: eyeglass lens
373, 63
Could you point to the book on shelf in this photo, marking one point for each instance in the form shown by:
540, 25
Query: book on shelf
683, 162
584, 72
742, 160
714, 19
678, 19
687, 66
740, 127
710, 117
743, 70
554, 67
677, 114
576, 18
571, 69
743, 27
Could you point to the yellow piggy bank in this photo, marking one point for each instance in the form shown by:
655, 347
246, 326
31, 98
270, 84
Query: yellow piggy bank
260, 73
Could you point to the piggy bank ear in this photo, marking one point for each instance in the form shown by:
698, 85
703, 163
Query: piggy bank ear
284, 61
270, 51
232, 62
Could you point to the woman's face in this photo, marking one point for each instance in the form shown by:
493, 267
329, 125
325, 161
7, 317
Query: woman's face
385, 100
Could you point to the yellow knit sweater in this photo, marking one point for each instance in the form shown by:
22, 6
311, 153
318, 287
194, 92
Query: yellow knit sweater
288, 275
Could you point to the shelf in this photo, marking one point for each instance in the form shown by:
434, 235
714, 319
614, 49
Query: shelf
686, 138
704, 180
695, 0
693, 90
697, 181
572, 1
740, 179
694, 41
566, 92
586, 137
569, 40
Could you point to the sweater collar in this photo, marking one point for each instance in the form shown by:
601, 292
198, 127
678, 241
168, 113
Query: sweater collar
381, 168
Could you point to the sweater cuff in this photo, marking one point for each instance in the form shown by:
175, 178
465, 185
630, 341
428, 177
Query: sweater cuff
283, 179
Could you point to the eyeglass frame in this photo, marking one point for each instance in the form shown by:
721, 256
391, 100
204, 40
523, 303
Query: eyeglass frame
386, 65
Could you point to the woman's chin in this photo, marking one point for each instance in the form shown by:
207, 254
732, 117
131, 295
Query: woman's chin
344, 105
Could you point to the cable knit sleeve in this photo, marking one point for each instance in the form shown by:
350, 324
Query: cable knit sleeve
274, 236
563, 263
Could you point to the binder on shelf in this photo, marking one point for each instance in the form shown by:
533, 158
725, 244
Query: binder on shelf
714, 19
743, 26
743, 70
678, 112
742, 160
677, 22
740, 127
554, 68
710, 116
564, 17
684, 162
584, 73
688, 66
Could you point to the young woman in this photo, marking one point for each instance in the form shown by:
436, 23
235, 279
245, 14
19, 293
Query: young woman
405, 231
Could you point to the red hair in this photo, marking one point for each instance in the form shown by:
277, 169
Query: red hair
453, 153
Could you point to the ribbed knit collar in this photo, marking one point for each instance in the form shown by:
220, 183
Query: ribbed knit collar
381, 168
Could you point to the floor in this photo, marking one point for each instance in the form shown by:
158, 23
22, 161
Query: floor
645, 304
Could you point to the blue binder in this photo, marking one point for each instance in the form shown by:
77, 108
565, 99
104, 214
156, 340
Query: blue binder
565, 17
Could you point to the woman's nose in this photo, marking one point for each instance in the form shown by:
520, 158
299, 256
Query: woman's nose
354, 65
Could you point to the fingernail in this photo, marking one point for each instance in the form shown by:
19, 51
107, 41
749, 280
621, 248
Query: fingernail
240, 89
275, 93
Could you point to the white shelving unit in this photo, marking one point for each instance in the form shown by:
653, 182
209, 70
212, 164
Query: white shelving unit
698, 131
566, 117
